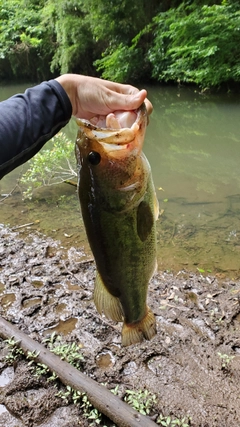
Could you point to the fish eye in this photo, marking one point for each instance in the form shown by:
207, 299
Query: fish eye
94, 158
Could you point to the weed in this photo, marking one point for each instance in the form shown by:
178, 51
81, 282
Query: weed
32, 355
65, 394
53, 377
37, 369
144, 401
141, 401
115, 390
226, 360
170, 422
15, 352
89, 412
201, 270
68, 352
76, 396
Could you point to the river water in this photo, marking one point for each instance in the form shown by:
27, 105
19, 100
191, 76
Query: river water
193, 145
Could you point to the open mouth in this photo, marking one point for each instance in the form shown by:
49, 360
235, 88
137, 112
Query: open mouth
115, 120
117, 128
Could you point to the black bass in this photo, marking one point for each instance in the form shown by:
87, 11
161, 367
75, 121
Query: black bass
119, 209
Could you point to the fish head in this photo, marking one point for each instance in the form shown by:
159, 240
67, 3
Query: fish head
109, 158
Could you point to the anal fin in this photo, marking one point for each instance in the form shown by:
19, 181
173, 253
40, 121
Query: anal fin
106, 303
136, 332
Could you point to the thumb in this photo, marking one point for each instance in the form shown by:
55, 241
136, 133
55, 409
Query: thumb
132, 101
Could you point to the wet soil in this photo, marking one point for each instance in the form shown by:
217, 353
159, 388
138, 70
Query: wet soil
191, 365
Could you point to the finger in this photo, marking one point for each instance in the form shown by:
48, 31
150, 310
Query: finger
139, 99
120, 88
117, 101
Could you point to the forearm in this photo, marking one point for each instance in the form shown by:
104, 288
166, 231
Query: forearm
29, 120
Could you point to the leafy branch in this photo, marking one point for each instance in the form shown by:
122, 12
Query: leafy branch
51, 166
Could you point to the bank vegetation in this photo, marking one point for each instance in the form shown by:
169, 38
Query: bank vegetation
194, 42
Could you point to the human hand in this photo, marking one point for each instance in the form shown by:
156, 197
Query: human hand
91, 96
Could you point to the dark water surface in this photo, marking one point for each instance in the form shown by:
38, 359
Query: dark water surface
193, 145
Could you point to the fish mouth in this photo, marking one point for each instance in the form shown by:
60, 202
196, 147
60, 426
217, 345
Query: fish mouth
119, 136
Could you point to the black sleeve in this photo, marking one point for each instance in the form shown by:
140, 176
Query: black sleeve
29, 120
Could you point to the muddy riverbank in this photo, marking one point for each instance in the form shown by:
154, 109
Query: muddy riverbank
192, 365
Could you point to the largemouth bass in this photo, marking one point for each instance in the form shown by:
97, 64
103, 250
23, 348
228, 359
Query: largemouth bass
119, 209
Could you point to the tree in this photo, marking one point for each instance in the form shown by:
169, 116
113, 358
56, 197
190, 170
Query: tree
23, 49
115, 25
74, 43
197, 44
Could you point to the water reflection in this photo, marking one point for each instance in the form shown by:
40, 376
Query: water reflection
193, 146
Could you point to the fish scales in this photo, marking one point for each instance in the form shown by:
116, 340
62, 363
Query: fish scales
119, 209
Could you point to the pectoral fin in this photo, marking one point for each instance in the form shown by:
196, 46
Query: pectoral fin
107, 303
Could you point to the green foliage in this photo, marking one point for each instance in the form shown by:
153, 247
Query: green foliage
68, 352
23, 38
89, 412
141, 400
128, 41
73, 36
144, 402
50, 166
68, 394
15, 352
124, 58
120, 64
197, 44
226, 360
118, 22
172, 422
65, 394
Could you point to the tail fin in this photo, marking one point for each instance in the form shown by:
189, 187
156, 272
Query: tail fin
136, 332
107, 303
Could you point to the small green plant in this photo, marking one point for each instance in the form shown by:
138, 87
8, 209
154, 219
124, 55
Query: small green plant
53, 377
32, 355
95, 416
115, 390
142, 400
37, 369
92, 414
15, 352
201, 270
50, 167
226, 360
170, 422
76, 396
68, 352
89, 412
65, 394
